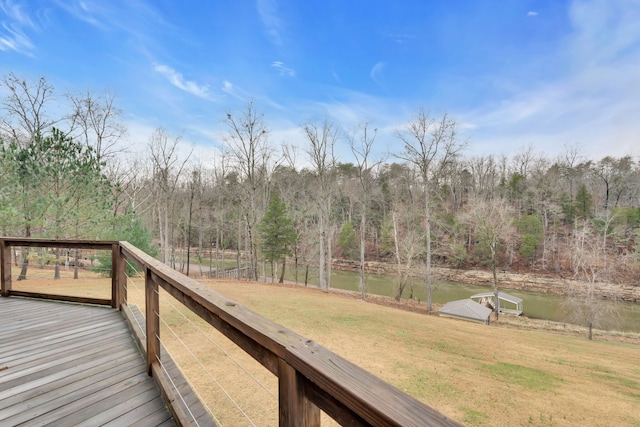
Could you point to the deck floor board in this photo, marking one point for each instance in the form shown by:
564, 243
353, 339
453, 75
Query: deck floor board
67, 364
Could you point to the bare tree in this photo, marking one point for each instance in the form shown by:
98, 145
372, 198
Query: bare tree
247, 139
96, 119
406, 244
361, 147
585, 304
194, 187
26, 109
492, 221
168, 164
322, 139
130, 177
429, 144
295, 187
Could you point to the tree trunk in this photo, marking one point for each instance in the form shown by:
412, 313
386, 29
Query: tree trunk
25, 255
495, 279
238, 266
427, 217
295, 262
402, 283
321, 263
401, 280
189, 233
284, 263
76, 266
25, 264
329, 265
363, 286
166, 234
223, 250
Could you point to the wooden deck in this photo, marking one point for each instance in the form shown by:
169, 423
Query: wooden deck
70, 364
56, 358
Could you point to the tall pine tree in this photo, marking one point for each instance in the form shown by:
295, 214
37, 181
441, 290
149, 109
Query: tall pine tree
277, 234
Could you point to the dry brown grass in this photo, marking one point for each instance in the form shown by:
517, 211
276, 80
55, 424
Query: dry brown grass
475, 374
41, 280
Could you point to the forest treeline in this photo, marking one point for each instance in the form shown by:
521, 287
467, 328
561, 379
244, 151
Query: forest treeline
65, 174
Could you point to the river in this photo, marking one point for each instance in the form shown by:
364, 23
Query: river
536, 305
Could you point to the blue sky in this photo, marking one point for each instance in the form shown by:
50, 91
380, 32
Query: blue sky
513, 73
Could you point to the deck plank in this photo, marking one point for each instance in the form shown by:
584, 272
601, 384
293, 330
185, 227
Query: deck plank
63, 364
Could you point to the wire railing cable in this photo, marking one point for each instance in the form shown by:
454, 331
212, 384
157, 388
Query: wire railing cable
138, 288
175, 387
238, 364
143, 328
231, 399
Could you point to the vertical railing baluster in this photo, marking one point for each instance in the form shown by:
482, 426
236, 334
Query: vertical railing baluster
5, 265
118, 277
115, 277
153, 319
295, 409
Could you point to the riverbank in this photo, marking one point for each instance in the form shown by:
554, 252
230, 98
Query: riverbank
505, 321
545, 284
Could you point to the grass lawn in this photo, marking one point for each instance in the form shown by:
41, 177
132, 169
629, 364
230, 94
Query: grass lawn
476, 374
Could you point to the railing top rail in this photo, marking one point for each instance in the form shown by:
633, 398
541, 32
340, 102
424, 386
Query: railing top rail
58, 243
336, 383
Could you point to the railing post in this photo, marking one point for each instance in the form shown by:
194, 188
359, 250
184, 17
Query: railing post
152, 308
118, 277
5, 266
294, 407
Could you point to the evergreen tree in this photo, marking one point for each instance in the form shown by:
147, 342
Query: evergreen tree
277, 233
55, 188
127, 227
347, 241
584, 202
531, 233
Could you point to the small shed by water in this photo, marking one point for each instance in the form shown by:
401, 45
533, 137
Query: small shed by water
508, 303
466, 309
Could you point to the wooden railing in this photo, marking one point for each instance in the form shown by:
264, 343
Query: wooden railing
310, 377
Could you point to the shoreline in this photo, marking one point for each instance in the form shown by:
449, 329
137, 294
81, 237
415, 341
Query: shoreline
505, 321
530, 282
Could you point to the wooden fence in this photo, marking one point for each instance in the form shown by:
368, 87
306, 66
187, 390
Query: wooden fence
310, 377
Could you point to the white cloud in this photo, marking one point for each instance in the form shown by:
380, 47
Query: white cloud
335, 75
14, 39
12, 34
93, 13
595, 103
227, 86
268, 12
376, 73
284, 71
230, 89
176, 79
532, 13
15, 12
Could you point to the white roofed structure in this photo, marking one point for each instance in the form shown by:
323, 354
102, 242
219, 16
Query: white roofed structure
466, 309
508, 303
